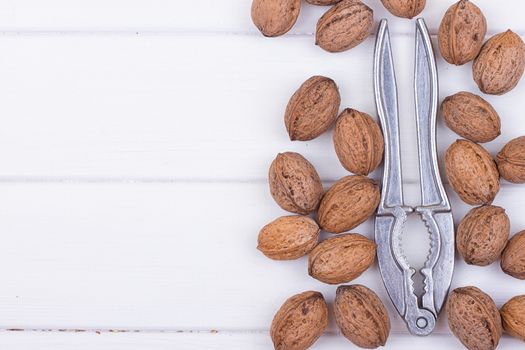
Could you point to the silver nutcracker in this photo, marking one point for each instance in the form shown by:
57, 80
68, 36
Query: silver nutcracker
420, 314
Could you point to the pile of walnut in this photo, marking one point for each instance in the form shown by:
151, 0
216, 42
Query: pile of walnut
482, 235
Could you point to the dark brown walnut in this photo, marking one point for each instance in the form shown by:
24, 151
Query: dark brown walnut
500, 64
294, 183
483, 234
288, 237
275, 17
404, 8
513, 317
511, 161
472, 172
471, 117
312, 109
344, 26
513, 258
341, 259
358, 142
461, 32
361, 316
323, 2
348, 203
474, 318
300, 321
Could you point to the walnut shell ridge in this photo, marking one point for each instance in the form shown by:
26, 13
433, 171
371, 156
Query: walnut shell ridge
513, 317
472, 172
461, 33
511, 161
500, 64
483, 234
358, 142
361, 316
312, 109
404, 8
513, 258
348, 203
288, 237
275, 17
471, 117
300, 321
474, 318
294, 183
341, 259
344, 26
323, 2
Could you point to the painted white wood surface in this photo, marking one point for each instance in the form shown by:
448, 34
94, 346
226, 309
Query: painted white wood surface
134, 144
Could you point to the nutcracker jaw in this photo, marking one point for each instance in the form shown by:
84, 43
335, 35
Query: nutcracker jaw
435, 211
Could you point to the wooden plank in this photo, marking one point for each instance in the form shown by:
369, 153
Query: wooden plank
231, 16
189, 107
173, 256
220, 340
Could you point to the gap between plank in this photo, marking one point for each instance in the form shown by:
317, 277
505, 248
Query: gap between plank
169, 331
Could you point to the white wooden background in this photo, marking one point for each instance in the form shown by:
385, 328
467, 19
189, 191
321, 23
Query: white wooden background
135, 138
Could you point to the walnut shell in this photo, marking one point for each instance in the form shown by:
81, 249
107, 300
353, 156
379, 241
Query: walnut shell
323, 2
288, 237
358, 142
511, 161
513, 317
341, 259
500, 64
404, 8
300, 321
361, 316
344, 26
294, 183
483, 234
348, 203
474, 318
472, 172
471, 117
275, 17
461, 32
513, 258
312, 109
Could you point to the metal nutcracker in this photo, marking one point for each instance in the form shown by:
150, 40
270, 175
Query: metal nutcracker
419, 314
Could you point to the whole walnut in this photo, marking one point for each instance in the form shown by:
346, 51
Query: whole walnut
358, 142
361, 316
483, 234
348, 203
511, 161
471, 117
288, 237
275, 17
472, 172
404, 8
474, 318
500, 64
312, 109
513, 258
513, 317
294, 183
344, 26
341, 259
461, 32
300, 321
